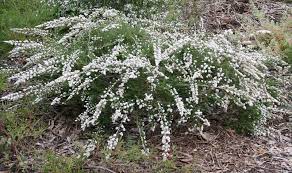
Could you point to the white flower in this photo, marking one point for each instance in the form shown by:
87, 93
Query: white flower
56, 101
89, 147
116, 115
110, 13
112, 142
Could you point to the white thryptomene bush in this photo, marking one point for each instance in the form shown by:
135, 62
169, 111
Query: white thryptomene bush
126, 69
141, 7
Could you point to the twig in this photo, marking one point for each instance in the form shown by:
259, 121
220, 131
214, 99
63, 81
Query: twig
212, 157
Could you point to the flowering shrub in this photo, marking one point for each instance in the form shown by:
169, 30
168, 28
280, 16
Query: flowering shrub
143, 7
128, 69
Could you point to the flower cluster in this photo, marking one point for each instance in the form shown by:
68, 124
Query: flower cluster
125, 69
139, 7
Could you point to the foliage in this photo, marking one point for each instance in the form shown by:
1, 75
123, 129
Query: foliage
3, 79
20, 13
22, 125
55, 163
271, 35
288, 53
166, 166
282, 34
132, 154
244, 121
126, 69
20, 120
